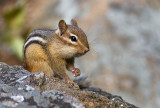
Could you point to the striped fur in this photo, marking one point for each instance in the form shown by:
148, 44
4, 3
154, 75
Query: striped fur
34, 38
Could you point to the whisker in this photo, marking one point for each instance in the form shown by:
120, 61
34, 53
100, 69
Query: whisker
92, 49
93, 40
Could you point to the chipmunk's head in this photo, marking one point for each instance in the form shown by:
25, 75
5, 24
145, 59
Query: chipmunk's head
73, 39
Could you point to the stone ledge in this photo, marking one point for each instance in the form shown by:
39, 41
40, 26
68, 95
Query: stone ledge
20, 88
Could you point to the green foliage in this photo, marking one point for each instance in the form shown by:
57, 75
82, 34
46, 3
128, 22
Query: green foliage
14, 20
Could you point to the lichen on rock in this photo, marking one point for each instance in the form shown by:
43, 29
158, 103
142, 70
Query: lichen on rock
20, 88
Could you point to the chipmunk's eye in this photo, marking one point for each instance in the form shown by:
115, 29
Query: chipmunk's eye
73, 38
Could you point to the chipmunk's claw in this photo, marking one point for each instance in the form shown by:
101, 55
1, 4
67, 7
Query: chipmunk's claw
76, 72
73, 84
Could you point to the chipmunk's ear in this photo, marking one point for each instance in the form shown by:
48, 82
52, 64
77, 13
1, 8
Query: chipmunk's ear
62, 27
74, 22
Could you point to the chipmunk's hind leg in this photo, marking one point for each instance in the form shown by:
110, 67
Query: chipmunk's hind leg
36, 60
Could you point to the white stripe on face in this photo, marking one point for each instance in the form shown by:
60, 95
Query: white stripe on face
35, 39
71, 34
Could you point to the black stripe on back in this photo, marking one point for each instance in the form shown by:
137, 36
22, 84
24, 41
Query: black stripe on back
35, 42
34, 35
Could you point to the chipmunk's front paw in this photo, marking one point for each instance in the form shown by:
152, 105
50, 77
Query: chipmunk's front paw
76, 72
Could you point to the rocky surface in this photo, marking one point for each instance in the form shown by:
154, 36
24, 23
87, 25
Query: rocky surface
20, 88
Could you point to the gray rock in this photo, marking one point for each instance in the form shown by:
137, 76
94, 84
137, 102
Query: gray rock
18, 89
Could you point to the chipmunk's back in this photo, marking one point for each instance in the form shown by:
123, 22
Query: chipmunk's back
39, 36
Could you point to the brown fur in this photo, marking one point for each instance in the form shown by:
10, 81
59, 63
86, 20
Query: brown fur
58, 54
37, 60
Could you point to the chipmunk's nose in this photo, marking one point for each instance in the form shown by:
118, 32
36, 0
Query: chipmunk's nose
86, 50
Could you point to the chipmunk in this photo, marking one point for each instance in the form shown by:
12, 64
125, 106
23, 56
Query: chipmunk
53, 51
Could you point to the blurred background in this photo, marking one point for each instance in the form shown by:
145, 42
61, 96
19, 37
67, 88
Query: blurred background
124, 37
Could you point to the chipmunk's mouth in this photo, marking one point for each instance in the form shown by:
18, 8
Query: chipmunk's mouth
80, 54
